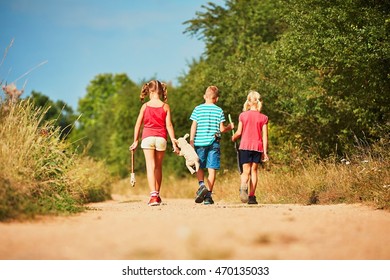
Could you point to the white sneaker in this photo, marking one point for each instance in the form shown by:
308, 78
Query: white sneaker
244, 194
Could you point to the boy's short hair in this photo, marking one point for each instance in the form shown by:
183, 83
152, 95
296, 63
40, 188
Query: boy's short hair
212, 92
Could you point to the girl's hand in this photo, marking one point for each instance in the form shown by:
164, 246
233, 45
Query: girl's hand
265, 158
133, 146
176, 150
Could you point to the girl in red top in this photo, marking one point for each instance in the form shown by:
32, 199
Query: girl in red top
253, 130
155, 115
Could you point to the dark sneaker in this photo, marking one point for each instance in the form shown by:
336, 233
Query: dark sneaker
252, 200
244, 194
201, 193
208, 199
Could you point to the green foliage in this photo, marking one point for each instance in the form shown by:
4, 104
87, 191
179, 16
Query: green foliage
108, 113
59, 112
338, 52
237, 29
321, 67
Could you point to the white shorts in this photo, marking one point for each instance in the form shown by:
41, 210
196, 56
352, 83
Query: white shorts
154, 143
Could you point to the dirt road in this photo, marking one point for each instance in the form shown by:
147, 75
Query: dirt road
126, 228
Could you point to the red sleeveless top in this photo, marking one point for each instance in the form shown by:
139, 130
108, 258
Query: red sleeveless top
154, 122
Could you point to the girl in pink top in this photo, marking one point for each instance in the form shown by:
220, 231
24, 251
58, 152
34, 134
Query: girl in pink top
253, 131
155, 116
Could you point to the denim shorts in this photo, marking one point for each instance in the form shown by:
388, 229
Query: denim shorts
247, 156
209, 156
154, 143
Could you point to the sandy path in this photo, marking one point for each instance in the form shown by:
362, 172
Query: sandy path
126, 228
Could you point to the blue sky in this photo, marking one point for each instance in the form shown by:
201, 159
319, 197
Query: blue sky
66, 43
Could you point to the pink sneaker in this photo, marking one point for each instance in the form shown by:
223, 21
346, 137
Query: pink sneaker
154, 201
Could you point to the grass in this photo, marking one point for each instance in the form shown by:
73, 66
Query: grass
364, 179
39, 174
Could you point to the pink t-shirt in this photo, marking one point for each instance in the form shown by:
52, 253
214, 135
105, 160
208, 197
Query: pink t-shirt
252, 125
154, 122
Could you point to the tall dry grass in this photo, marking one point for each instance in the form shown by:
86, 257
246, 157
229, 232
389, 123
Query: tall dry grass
39, 174
362, 178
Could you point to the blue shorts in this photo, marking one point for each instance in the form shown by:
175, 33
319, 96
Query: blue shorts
247, 156
209, 156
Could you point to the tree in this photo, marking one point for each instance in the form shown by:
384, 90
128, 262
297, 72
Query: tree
322, 67
57, 111
108, 112
339, 53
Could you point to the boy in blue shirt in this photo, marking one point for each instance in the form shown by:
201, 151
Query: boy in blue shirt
207, 125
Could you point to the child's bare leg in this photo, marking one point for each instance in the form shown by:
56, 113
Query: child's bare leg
246, 169
200, 174
211, 178
253, 181
150, 168
159, 156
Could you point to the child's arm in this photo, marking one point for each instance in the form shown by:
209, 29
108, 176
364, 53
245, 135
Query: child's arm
238, 132
169, 126
137, 127
226, 128
194, 125
265, 142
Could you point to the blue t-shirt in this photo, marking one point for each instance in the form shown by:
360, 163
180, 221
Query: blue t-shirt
208, 118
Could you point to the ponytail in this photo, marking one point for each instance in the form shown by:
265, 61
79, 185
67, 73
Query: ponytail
144, 91
253, 98
154, 86
164, 92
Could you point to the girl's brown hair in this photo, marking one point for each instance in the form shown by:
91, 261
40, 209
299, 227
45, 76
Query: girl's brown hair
154, 86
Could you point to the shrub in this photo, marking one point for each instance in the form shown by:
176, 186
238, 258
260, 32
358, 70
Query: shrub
39, 174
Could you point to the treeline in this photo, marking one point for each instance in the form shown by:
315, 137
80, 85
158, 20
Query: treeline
322, 67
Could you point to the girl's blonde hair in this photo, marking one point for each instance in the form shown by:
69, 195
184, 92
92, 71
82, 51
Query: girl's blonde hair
154, 86
253, 99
